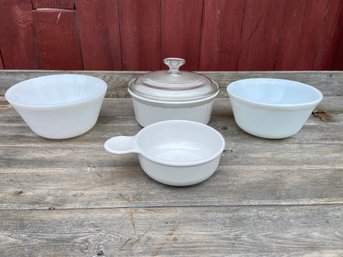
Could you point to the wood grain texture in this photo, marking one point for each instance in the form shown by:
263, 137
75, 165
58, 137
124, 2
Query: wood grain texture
98, 25
209, 34
338, 59
252, 171
328, 82
58, 4
181, 30
57, 40
301, 34
1, 62
221, 231
329, 38
17, 39
140, 34
260, 34
267, 198
222, 26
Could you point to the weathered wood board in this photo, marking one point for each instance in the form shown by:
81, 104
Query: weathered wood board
201, 231
98, 25
57, 4
267, 198
330, 83
57, 39
140, 34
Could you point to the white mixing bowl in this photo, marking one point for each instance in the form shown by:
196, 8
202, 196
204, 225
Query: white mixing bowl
58, 106
175, 152
272, 108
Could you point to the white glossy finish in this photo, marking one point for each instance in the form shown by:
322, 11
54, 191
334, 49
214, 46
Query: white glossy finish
175, 152
58, 106
272, 108
148, 112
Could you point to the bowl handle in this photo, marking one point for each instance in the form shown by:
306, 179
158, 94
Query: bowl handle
122, 145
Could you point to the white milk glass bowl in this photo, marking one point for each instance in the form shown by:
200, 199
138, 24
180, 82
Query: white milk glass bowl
174, 152
272, 108
58, 106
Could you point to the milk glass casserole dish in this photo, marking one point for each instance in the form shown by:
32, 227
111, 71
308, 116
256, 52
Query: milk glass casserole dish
172, 95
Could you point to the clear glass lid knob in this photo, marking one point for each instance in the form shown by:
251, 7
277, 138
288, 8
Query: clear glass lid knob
174, 64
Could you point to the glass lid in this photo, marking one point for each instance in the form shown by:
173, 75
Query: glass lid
173, 85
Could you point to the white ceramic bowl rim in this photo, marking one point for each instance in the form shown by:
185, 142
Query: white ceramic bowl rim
184, 163
137, 143
102, 87
173, 102
292, 83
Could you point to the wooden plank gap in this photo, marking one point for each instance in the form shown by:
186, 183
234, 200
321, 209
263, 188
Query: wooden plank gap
181, 31
186, 206
139, 25
337, 62
118, 13
280, 38
16, 33
161, 43
78, 38
2, 66
322, 29
57, 40
241, 35
201, 33
98, 29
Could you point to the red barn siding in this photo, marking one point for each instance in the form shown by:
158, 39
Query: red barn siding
98, 25
17, 41
260, 35
338, 61
329, 38
138, 34
338, 50
181, 30
59, 4
222, 24
57, 40
305, 33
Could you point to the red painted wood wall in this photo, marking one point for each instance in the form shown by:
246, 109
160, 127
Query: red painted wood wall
137, 34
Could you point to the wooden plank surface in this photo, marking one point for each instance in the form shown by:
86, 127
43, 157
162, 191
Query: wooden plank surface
39, 169
57, 39
260, 34
267, 198
58, 4
140, 34
222, 26
98, 25
17, 38
326, 49
209, 34
301, 23
338, 59
181, 30
202, 231
328, 82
